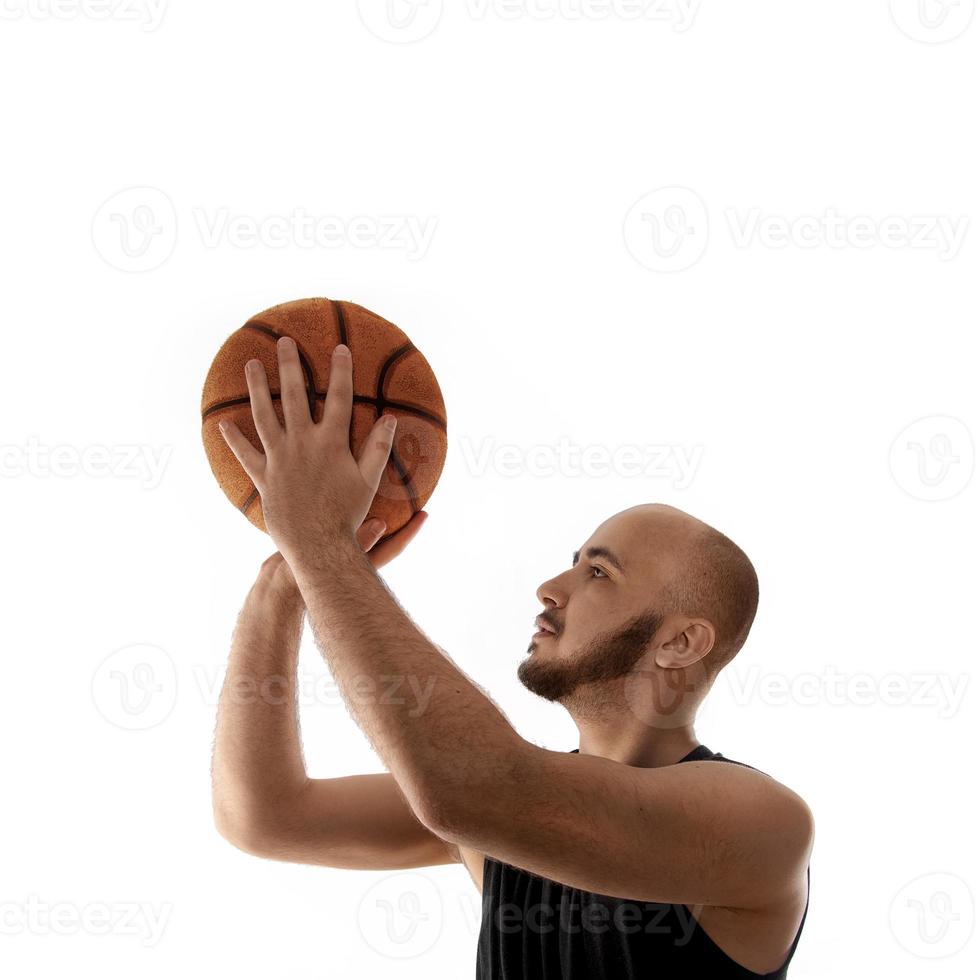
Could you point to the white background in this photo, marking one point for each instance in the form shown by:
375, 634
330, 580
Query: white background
802, 327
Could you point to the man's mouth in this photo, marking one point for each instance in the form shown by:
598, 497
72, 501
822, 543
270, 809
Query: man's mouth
544, 628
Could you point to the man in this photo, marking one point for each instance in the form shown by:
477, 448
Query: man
647, 854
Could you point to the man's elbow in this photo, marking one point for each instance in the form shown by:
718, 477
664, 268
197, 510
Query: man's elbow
470, 813
245, 831
461, 814
443, 815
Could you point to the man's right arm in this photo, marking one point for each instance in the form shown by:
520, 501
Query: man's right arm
264, 803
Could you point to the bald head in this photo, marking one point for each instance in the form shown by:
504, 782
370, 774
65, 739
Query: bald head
700, 572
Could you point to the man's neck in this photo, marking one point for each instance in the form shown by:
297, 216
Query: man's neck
647, 748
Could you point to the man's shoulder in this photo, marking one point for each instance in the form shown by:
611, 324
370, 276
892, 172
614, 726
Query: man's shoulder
759, 805
768, 786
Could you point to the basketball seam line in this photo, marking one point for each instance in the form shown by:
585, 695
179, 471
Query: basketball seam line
358, 399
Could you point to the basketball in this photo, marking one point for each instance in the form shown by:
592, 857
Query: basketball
389, 374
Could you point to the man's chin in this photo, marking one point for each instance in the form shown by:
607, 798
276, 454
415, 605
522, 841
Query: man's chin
544, 683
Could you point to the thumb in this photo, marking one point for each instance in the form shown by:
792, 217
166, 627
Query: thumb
370, 532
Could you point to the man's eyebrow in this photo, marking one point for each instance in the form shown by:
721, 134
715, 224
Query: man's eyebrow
598, 551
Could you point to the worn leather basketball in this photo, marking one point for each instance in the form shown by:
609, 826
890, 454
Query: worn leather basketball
390, 375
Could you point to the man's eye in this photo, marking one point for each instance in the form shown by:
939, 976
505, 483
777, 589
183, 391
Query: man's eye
596, 568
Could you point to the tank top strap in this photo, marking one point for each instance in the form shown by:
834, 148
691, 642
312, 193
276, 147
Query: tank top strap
698, 754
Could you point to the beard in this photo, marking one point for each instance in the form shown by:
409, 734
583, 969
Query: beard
607, 657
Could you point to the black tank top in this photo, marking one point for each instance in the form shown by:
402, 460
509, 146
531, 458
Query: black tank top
534, 928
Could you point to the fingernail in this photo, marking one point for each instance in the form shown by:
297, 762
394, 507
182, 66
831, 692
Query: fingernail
341, 349
390, 421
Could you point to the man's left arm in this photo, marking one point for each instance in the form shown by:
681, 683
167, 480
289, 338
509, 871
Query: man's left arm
700, 833
706, 833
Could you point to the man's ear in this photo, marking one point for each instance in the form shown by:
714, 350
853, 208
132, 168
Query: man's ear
693, 642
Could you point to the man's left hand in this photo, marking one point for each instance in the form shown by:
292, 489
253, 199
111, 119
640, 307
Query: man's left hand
313, 490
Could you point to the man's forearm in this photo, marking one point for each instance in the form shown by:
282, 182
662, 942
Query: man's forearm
258, 758
441, 737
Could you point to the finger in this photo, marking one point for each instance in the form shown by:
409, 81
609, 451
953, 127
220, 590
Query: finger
369, 532
340, 387
270, 565
274, 560
253, 462
389, 549
263, 414
292, 385
375, 452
